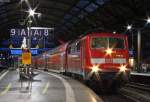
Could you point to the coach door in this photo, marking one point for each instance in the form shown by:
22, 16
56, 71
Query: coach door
83, 54
74, 62
78, 58
62, 60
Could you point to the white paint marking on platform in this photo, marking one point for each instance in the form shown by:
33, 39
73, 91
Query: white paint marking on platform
2, 76
17, 70
46, 88
70, 96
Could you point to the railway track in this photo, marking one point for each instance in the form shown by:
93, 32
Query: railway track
120, 96
136, 91
139, 86
131, 92
116, 98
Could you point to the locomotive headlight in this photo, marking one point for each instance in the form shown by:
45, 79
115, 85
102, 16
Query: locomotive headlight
109, 51
95, 68
123, 68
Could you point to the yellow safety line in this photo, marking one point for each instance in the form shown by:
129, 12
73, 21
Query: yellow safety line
45, 88
7, 88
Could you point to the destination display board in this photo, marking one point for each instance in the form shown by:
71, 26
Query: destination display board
33, 32
39, 36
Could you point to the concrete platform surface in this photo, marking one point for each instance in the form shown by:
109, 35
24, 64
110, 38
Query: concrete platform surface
46, 87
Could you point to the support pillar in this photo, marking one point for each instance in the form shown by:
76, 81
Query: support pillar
139, 50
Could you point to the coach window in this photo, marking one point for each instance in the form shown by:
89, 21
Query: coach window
72, 49
78, 46
69, 50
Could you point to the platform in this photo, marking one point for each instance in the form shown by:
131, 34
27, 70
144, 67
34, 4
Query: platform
141, 78
46, 87
141, 74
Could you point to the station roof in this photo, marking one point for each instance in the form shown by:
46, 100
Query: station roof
71, 18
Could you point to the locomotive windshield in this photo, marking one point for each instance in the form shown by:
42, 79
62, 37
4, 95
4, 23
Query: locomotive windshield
103, 42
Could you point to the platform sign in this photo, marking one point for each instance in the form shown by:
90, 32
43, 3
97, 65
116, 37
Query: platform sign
26, 58
37, 32
132, 53
19, 51
38, 35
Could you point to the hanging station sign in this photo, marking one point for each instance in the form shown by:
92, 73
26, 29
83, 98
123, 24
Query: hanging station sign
33, 32
38, 35
26, 58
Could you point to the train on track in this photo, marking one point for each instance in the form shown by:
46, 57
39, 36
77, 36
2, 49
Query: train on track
100, 57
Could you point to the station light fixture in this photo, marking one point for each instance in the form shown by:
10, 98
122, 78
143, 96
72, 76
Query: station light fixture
129, 27
114, 32
148, 20
31, 12
131, 62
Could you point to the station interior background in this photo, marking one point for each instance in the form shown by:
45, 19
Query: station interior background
73, 18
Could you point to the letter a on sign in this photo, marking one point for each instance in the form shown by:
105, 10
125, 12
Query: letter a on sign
26, 58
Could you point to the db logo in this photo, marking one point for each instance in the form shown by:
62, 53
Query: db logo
108, 60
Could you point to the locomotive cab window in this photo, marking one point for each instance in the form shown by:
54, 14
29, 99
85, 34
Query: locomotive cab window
104, 42
117, 43
69, 50
99, 42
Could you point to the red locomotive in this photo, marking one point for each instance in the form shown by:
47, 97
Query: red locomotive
96, 56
